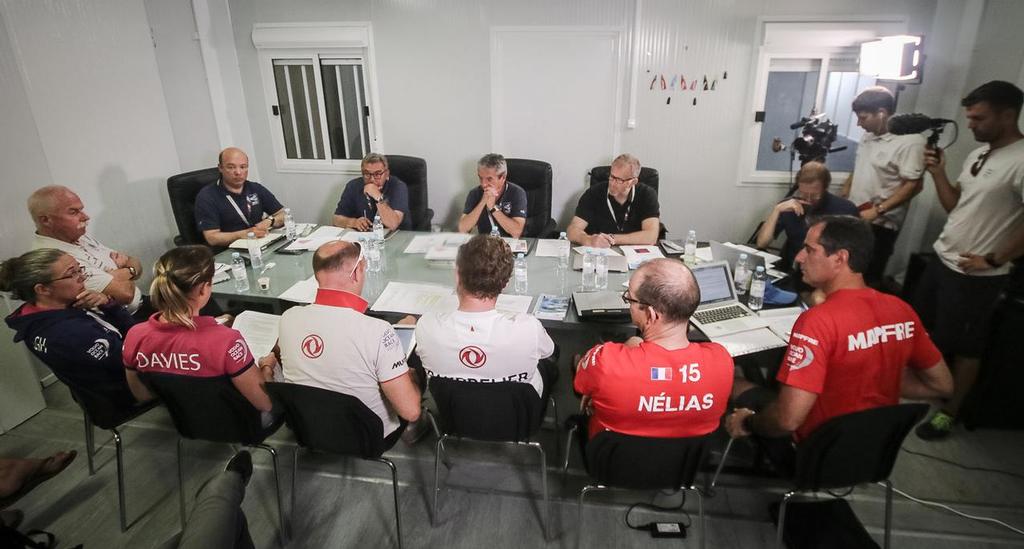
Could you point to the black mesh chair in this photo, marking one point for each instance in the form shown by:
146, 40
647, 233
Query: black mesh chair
534, 176
648, 176
182, 190
853, 449
336, 423
507, 413
100, 411
631, 462
213, 410
413, 171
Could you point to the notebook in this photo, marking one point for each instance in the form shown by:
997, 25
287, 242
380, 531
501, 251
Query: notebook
604, 304
720, 312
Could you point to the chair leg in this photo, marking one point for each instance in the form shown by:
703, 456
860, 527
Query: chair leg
119, 453
888, 513
295, 475
90, 443
437, 433
721, 463
394, 486
544, 490
701, 519
181, 485
438, 448
782, 519
277, 485
579, 512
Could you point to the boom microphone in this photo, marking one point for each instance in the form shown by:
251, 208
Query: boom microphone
906, 124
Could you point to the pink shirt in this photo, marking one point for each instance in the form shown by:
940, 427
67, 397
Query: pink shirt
211, 350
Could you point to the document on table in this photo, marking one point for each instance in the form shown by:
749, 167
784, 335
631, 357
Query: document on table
516, 245
243, 243
303, 291
769, 259
595, 251
221, 272
410, 298
551, 307
357, 236
259, 330
547, 247
507, 303
637, 255
781, 321
750, 341
423, 243
317, 238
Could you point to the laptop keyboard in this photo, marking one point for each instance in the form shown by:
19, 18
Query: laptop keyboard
718, 315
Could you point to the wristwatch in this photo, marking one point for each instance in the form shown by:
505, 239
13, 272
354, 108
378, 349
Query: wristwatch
880, 208
748, 423
493, 209
132, 271
380, 200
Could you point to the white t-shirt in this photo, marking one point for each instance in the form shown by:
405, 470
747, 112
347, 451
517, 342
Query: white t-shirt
990, 208
883, 161
485, 346
334, 347
92, 255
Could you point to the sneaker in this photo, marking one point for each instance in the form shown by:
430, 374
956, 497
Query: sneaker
938, 427
241, 464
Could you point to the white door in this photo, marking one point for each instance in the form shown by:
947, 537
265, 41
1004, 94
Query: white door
555, 96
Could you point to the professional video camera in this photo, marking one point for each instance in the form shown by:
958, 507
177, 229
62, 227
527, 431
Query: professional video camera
906, 124
815, 141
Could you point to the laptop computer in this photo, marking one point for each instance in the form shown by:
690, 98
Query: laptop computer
721, 252
407, 335
720, 312
605, 304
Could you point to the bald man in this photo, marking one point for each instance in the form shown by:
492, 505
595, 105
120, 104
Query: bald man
233, 206
61, 223
660, 384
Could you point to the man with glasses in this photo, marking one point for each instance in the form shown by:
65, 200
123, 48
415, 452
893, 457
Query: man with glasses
377, 192
61, 224
234, 206
617, 212
660, 384
984, 232
332, 344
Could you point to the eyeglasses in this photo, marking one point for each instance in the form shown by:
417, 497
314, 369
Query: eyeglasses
613, 179
73, 272
628, 300
374, 175
980, 163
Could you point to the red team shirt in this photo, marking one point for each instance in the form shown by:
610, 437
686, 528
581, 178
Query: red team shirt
211, 350
650, 391
850, 351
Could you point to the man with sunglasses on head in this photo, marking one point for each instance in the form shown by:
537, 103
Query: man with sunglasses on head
617, 212
332, 344
377, 192
659, 384
984, 232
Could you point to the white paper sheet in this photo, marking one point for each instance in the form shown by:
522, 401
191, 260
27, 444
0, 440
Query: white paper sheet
518, 246
551, 307
769, 259
596, 251
357, 236
704, 255
421, 243
243, 243
221, 272
409, 298
303, 291
259, 331
781, 321
547, 247
636, 255
507, 303
315, 239
750, 341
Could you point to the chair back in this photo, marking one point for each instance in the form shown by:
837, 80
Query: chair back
648, 176
104, 412
503, 411
855, 448
534, 176
208, 409
329, 421
642, 463
182, 190
413, 171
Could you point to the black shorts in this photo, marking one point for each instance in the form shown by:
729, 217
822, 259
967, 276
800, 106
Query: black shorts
780, 450
957, 309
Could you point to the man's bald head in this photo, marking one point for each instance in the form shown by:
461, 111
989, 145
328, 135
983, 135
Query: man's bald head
668, 286
58, 213
336, 256
233, 164
44, 200
232, 153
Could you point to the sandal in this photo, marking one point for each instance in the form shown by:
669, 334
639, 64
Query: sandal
48, 468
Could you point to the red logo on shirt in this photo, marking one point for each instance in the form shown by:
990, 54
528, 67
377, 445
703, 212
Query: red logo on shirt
312, 346
472, 356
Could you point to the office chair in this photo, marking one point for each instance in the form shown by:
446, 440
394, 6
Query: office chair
648, 176
213, 410
182, 190
616, 460
413, 171
336, 423
534, 176
507, 413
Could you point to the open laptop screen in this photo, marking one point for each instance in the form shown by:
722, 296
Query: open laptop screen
715, 283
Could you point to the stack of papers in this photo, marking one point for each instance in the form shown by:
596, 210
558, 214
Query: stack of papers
444, 248
551, 307
596, 251
518, 246
750, 341
259, 330
781, 321
425, 242
221, 272
417, 299
317, 238
243, 243
637, 255
547, 247
303, 291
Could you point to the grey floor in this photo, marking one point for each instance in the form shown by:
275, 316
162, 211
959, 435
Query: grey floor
491, 497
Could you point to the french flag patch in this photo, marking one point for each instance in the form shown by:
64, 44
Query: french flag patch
661, 374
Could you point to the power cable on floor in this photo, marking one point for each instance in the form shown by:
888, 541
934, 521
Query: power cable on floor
967, 467
954, 511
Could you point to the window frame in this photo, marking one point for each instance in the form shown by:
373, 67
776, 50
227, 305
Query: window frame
316, 42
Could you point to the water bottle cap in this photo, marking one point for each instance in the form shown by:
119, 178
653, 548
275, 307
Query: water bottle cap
287, 210
692, 233
521, 255
234, 255
743, 256
760, 268
561, 234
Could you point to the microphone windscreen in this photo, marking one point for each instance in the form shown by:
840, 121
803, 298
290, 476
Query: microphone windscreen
905, 124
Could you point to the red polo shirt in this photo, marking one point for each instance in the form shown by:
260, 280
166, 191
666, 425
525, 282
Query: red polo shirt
210, 350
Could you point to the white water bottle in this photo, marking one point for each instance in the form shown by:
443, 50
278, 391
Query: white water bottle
601, 272
757, 283
741, 278
588, 271
378, 228
289, 225
563, 251
520, 274
690, 248
238, 273
494, 229
255, 253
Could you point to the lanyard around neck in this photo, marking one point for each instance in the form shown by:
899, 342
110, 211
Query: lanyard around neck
235, 204
629, 206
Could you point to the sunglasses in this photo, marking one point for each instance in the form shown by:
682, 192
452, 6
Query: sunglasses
73, 272
360, 259
980, 163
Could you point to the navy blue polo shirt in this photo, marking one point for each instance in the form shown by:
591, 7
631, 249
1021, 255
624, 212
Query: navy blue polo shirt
512, 203
795, 226
354, 203
214, 211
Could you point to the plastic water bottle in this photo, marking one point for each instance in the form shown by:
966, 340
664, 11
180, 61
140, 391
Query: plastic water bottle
378, 228
588, 272
255, 253
494, 229
239, 274
601, 272
741, 277
563, 251
756, 299
373, 254
289, 225
690, 248
520, 274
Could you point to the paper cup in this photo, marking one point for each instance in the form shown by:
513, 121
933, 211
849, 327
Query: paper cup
264, 283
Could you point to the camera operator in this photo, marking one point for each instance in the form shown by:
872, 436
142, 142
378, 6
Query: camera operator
886, 175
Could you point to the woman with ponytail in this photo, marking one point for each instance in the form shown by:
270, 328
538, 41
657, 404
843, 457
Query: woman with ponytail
178, 340
77, 333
